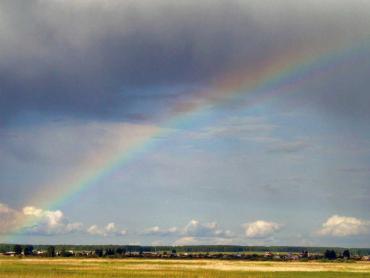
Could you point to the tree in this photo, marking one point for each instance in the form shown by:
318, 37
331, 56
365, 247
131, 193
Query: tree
120, 251
28, 250
65, 253
99, 252
17, 249
330, 255
173, 253
109, 252
51, 251
346, 254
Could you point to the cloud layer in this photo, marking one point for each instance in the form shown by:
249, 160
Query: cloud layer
41, 222
85, 58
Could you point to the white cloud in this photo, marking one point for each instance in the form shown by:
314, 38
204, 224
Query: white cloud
198, 229
261, 229
188, 240
156, 230
122, 233
193, 240
4, 209
341, 226
8, 218
109, 230
95, 230
48, 222
194, 232
194, 228
39, 221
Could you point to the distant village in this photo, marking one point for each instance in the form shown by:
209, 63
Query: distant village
121, 252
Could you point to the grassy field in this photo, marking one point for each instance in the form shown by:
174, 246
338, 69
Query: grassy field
78, 268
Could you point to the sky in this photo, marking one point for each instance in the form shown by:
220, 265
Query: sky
160, 122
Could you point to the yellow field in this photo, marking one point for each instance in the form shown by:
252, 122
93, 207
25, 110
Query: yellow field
74, 267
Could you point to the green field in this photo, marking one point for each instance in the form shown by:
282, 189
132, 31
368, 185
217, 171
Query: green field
59, 268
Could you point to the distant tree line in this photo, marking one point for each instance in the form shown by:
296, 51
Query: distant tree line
111, 250
332, 255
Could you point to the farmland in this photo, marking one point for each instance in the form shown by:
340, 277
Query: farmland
135, 267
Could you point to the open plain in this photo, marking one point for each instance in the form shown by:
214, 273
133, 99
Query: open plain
75, 267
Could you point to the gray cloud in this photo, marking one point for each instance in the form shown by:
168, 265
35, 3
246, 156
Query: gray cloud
81, 58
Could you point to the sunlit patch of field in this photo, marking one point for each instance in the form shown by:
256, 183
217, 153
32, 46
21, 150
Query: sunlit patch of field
78, 268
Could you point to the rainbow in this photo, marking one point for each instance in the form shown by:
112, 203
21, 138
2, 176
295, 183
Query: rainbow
268, 79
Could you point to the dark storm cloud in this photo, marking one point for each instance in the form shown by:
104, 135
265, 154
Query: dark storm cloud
83, 57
